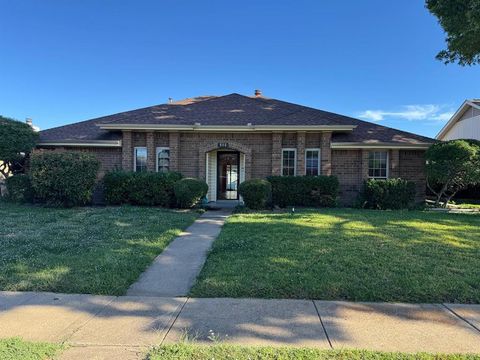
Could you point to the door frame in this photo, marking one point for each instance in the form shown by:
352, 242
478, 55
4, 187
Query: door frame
217, 178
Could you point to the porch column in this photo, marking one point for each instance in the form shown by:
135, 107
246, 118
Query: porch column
301, 135
151, 151
326, 153
394, 157
276, 153
174, 145
127, 151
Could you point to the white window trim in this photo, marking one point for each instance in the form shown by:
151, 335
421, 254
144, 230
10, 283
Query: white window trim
158, 149
294, 160
319, 159
388, 165
135, 156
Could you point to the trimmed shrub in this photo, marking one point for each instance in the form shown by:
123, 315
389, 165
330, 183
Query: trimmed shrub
151, 188
140, 188
189, 192
391, 194
64, 179
316, 191
256, 193
19, 188
117, 185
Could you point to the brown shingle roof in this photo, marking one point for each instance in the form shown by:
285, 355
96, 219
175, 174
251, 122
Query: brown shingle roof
230, 110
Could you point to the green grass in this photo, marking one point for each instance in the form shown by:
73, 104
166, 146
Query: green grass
346, 254
188, 351
17, 349
84, 250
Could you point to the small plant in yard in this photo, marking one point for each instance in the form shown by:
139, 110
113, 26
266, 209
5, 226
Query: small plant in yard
63, 179
189, 192
256, 193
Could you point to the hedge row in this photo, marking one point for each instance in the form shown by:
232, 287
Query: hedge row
315, 191
390, 194
152, 189
140, 188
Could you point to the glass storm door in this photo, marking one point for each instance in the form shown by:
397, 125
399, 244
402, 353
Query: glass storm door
227, 175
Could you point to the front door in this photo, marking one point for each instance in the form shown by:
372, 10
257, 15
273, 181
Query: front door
227, 175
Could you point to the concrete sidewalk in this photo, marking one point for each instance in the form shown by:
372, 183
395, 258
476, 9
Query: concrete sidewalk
174, 271
103, 327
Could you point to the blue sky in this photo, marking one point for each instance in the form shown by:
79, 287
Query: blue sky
67, 61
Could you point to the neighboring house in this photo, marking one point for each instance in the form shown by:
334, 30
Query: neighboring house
464, 124
227, 139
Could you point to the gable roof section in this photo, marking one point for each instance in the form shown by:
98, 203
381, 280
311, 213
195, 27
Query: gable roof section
458, 114
227, 112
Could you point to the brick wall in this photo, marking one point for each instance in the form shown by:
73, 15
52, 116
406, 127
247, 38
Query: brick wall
347, 166
412, 167
263, 156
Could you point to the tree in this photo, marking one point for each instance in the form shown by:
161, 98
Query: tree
452, 166
16, 141
461, 21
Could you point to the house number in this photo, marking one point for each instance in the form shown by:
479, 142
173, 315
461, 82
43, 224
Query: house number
223, 145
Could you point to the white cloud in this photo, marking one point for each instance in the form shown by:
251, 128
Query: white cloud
426, 112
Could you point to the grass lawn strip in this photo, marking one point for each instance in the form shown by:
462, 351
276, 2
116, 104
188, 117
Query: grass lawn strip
18, 349
346, 254
84, 250
188, 351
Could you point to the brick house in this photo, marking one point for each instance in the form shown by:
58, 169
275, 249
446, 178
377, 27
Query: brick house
228, 139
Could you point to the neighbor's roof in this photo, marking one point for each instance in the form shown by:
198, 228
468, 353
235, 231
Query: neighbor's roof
227, 111
467, 104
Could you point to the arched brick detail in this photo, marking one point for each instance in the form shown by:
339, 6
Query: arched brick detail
233, 146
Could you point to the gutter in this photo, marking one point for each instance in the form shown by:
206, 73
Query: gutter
91, 143
380, 145
212, 128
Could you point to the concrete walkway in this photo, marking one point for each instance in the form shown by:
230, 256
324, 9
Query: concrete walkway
174, 271
105, 327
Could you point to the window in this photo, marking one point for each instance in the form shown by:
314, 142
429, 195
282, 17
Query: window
312, 162
163, 159
140, 159
378, 164
289, 161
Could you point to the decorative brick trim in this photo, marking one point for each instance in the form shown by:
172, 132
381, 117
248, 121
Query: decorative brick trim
151, 152
326, 153
365, 153
174, 145
394, 163
232, 145
276, 153
301, 138
127, 151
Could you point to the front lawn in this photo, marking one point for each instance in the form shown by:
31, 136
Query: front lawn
188, 351
18, 349
85, 250
347, 254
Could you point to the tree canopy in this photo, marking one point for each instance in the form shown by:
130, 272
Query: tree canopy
452, 166
17, 140
461, 21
